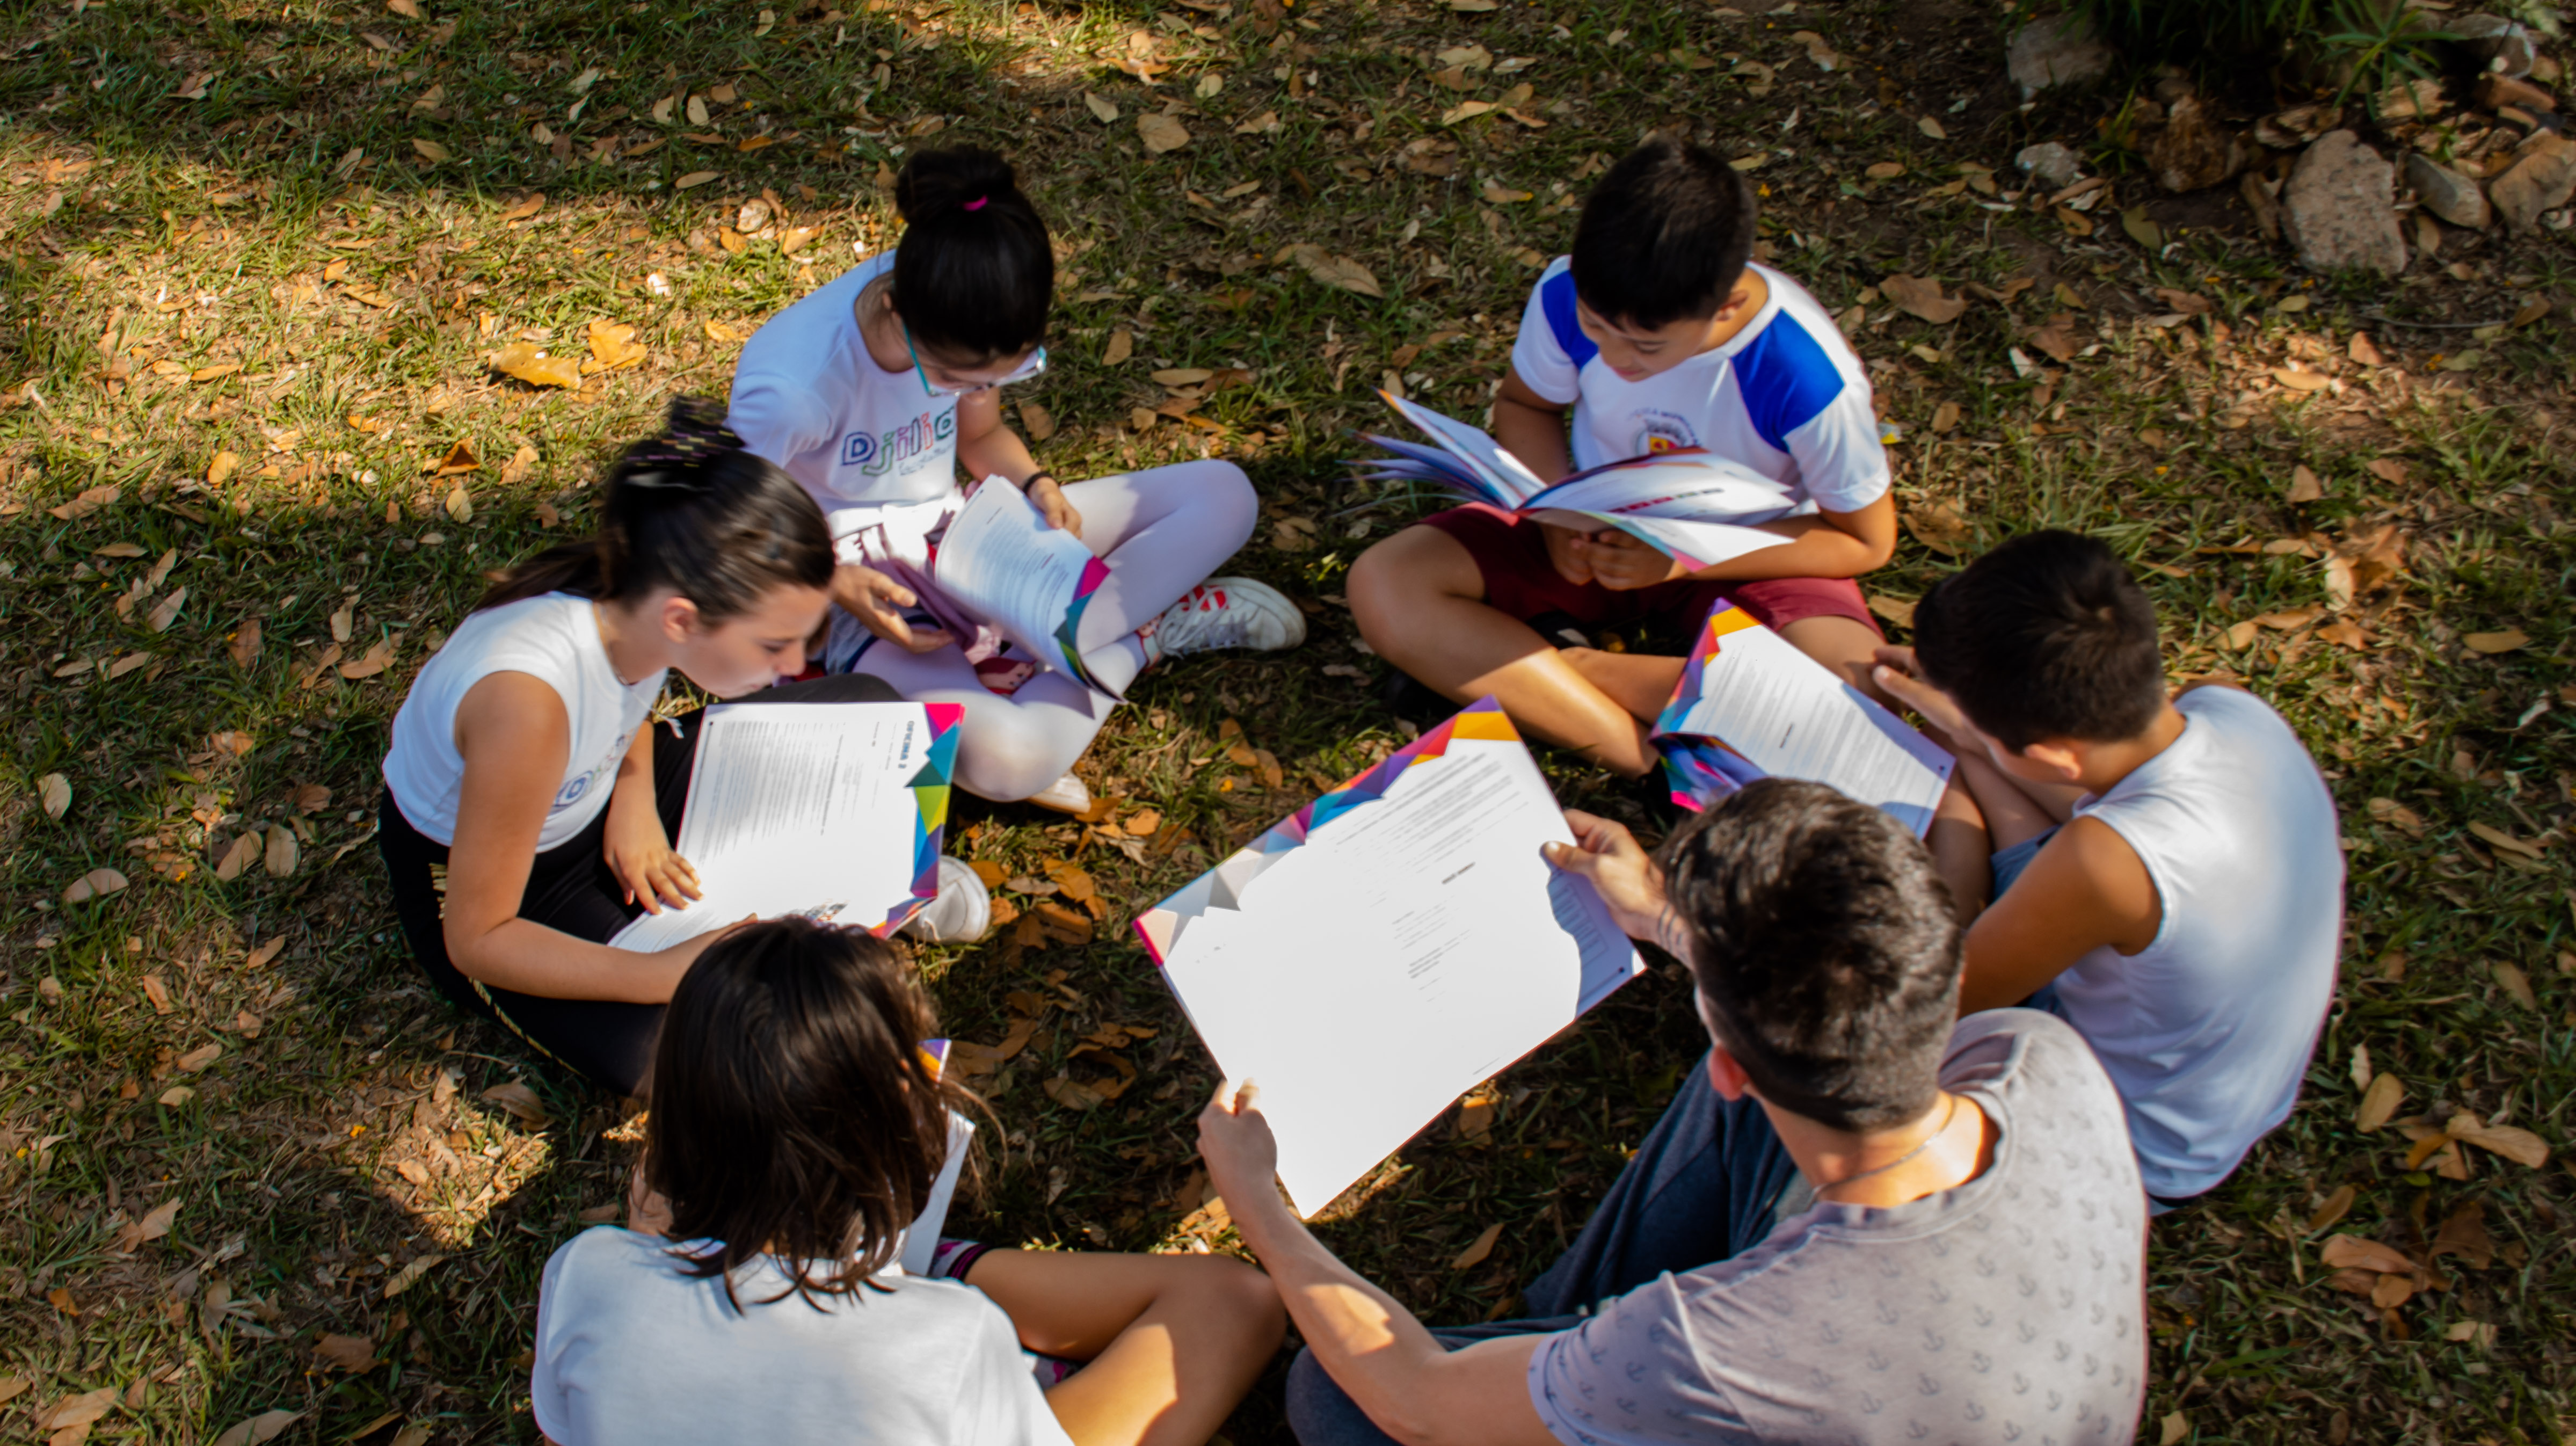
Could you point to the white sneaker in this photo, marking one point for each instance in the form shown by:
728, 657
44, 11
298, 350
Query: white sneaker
1066, 795
961, 913
1227, 612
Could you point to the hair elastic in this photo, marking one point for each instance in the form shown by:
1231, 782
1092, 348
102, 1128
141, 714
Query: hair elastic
978, 203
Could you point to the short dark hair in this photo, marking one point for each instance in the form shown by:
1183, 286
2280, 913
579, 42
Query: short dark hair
2047, 636
793, 1111
1664, 235
1826, 946
692, 510
974, 273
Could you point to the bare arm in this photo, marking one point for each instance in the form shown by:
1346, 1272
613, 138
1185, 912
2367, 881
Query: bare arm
1532, 428
515, 737
1391, 1367
987, 448
1822, 544
2086, 889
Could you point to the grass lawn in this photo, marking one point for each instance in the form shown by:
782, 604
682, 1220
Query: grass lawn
252, 461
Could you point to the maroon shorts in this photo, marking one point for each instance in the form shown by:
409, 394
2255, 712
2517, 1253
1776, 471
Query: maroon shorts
1521, 582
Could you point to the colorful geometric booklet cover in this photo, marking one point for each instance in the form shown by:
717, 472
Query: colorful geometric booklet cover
1694, 507
830, 810
1002, 564
1389, 946
921, 1237
1750, 705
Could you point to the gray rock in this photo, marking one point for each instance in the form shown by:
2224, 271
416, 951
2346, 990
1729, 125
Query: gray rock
2051, 165
2056, 50
2339, 209
2447, 194
2542, 180
2495, 44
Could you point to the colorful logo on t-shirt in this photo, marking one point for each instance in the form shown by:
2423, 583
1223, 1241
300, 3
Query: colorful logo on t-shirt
577, 789
875, 454
1660, 431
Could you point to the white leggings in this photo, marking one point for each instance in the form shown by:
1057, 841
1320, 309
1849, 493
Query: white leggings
1162, 531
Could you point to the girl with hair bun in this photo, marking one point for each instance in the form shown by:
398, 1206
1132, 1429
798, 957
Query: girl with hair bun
528, 813
874, 391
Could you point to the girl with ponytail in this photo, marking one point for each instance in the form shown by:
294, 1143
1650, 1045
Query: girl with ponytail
528, 813
874, 390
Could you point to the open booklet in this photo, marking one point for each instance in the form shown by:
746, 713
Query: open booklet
1000, 563
1389, 946
1689, 504
921, 1237
1750, 705
830, 810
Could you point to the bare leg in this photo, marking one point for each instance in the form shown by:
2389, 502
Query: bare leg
2012, 816
1420, 603
1173, 1341
1846, 645
1642, 683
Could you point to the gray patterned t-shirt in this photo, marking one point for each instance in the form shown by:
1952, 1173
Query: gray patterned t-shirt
2011, 1309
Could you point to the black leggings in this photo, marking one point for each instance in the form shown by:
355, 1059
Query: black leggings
571, 889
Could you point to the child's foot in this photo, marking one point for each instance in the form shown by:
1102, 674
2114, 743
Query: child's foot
1225, 612
961, 913
1066, 795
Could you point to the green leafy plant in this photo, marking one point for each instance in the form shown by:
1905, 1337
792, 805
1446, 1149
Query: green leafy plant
2385, 46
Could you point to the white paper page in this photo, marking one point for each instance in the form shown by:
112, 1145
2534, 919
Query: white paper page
1695, 545
1472, 445
1006, 566
1411, 948
1794, 718
797, 808
921, 1237
1692, 486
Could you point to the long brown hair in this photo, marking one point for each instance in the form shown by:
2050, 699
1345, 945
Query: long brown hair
693, 511
794, 1113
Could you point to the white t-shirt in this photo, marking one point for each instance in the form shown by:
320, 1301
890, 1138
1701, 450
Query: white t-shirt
2207, 1031
873, 446
554, 639
631, 1352
1785, 396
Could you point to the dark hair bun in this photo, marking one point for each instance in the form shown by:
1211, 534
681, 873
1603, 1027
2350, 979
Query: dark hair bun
933, 181
974, 274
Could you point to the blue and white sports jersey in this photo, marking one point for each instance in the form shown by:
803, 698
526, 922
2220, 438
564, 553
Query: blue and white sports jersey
1786, 396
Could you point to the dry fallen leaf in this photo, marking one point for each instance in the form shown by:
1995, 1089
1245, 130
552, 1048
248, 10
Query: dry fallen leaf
1944, 418
693, 180
1037, 421
2379, 1102
197, 1060
430, 151
1932, 128
281, 852
243, 853
1122, 345
1333, 270
1143, 823
613, 345
2343, 1250
2337, 1205
55, 792
76, 1411
1477, 1249
1920, 297
222, 466
2492, 643
404, 1278
1897, 610
520, 1101
177, 1095
1102, 108
347, 1353
2518, 1145
1938, 526
2304, 486
1161, 133
261, 1428
531, 365
96, 884
265, 952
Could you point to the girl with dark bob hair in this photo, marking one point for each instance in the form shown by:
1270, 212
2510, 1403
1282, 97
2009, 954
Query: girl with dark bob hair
877, 388
528, 812
797, 1128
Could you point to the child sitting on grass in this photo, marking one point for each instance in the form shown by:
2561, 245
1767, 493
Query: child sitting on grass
1659, 332
796, 1129
2169, 874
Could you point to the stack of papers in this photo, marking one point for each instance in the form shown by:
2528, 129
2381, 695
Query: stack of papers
1388, 947
1750, 705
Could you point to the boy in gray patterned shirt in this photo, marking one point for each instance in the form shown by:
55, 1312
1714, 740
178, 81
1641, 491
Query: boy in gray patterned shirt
1855, 1223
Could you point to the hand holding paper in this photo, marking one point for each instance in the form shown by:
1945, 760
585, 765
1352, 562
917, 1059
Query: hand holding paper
1002, 562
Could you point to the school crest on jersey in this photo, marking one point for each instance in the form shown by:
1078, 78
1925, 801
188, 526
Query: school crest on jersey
1661, 431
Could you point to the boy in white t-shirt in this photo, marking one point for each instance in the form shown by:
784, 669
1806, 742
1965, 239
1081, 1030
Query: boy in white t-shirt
2169, 874
1658, 332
